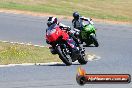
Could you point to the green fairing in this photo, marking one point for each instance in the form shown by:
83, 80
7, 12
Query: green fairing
87, 29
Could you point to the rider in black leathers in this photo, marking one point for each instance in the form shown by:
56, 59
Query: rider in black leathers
77, 22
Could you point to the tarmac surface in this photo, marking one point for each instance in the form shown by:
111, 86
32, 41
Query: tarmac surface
115, 51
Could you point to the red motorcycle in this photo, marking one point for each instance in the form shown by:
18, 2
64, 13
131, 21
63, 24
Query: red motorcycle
65, 47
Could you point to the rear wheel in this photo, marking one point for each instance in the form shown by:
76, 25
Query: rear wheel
64, 55
82, 58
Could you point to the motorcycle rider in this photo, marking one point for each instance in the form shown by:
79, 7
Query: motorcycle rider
52, 21
62, 26
77, 22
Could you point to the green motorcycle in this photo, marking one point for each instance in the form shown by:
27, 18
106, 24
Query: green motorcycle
88, 35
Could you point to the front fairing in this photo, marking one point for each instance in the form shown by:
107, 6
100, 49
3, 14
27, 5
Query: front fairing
54, 32
87, 30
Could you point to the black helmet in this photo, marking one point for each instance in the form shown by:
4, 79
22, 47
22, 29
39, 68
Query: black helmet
51, 20
76, 15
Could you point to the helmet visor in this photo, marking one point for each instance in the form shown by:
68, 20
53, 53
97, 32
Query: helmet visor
49, 23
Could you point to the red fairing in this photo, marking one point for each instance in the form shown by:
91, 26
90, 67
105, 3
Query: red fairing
53, 34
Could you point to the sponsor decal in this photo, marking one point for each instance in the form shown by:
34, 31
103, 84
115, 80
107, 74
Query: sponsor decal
83, 78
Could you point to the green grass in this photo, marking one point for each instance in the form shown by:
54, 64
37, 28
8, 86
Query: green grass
117, 10
17, 54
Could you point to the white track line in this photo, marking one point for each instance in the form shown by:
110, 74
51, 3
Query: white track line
31, 64
29, 44
90, 57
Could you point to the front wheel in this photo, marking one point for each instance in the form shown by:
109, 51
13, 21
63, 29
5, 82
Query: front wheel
94, 40
63, 55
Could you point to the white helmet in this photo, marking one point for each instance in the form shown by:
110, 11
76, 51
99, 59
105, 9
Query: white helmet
51, 20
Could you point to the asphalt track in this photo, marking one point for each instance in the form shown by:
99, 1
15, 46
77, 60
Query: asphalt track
115, 51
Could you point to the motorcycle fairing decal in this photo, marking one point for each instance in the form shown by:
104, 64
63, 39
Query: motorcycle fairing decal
50, 32
92, 34
71, 43
84, 35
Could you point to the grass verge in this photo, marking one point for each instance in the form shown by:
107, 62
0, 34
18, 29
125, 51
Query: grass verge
17, 54
117, 10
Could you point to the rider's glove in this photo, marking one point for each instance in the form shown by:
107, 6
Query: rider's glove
91, 22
